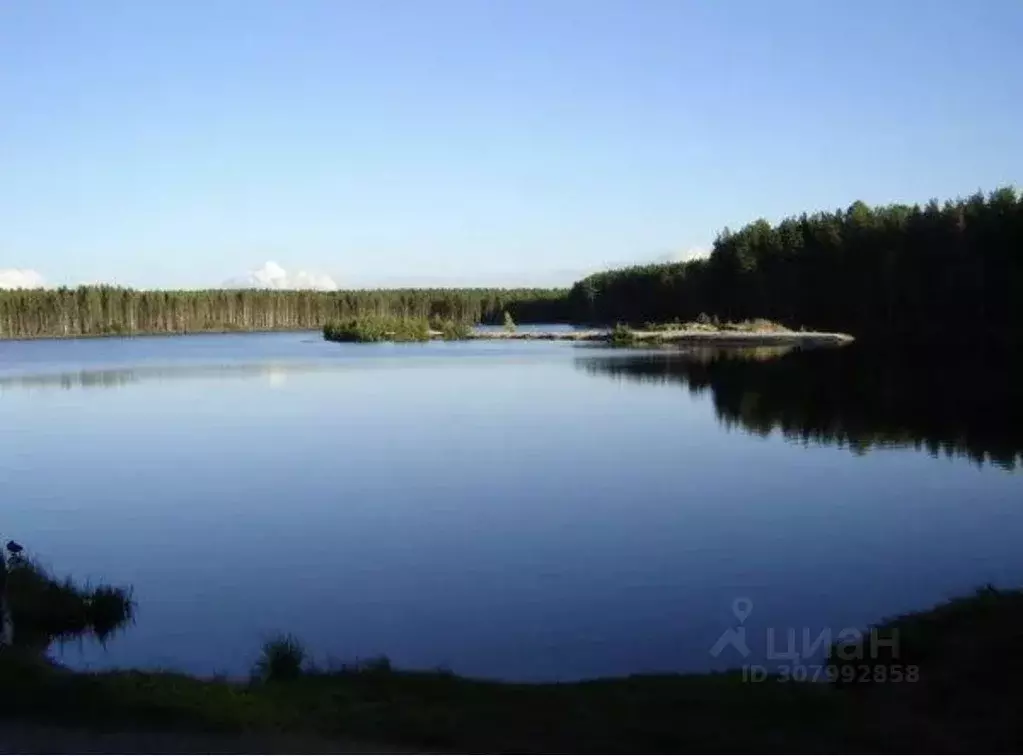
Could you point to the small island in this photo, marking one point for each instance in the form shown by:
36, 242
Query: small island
372, 329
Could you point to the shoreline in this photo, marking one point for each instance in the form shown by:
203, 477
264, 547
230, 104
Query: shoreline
681, 336
940, 676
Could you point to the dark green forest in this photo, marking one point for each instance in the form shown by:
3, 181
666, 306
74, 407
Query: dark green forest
952, 270
102, 310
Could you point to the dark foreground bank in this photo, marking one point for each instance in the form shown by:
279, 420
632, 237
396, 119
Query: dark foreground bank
964, 694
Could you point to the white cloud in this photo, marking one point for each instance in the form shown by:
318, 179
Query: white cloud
685, 255
20, 278
273, 276
693, 253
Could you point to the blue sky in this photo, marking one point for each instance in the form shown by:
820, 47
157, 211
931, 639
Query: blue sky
380, 142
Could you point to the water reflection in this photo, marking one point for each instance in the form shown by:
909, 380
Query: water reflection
112, 378
955, 404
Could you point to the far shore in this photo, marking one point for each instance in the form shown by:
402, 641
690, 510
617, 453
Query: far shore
680, 336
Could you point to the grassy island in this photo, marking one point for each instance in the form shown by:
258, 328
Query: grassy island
378, 328
374, 328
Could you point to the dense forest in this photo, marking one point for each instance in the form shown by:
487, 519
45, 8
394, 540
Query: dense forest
859, 396
937, 272
97, 310
902, 271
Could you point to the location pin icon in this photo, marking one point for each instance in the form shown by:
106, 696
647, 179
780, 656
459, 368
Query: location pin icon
742, 608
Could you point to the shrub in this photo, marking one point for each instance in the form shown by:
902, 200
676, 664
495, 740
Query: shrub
379, 665
673, 325
762, 325
375, 328
758, 325
622, 335
281, 659
43, 608
455, 330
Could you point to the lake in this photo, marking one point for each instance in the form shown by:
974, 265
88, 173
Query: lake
523, 510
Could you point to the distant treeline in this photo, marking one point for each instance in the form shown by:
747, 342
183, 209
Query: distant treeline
903, 271
98, 310
906, 272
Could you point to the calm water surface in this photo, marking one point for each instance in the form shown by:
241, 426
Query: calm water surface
520, 510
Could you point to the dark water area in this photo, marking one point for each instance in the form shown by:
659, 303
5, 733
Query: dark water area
526, 510
956, 403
